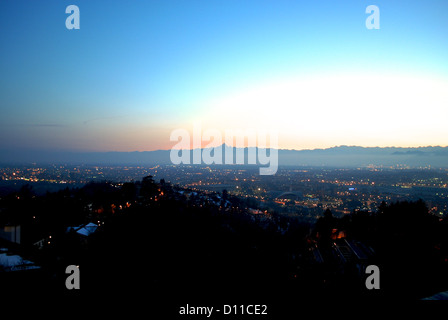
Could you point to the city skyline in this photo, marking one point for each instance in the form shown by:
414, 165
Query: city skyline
133, 73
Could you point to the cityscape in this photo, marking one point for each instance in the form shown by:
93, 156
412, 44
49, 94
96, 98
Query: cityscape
211, 159
326, 224
304, 192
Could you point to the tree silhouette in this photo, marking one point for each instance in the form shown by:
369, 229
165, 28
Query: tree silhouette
149, 187
129, 191
324, 226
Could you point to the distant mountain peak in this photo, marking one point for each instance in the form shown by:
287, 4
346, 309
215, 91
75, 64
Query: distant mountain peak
341, 156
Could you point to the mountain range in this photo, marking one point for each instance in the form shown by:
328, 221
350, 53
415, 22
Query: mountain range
340, 156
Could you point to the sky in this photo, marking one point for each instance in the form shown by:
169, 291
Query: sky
137, 70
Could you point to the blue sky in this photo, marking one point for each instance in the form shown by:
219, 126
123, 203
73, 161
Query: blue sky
136, 70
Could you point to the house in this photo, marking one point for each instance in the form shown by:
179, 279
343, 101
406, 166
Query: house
15, 263
11, 233
84, 230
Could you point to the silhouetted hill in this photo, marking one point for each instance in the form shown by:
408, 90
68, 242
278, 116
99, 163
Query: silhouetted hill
359, 156
340, 156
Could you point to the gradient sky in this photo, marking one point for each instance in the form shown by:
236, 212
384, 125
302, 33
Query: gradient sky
137, 70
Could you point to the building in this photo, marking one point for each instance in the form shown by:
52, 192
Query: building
11, 233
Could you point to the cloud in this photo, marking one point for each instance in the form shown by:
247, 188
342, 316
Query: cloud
35, 125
